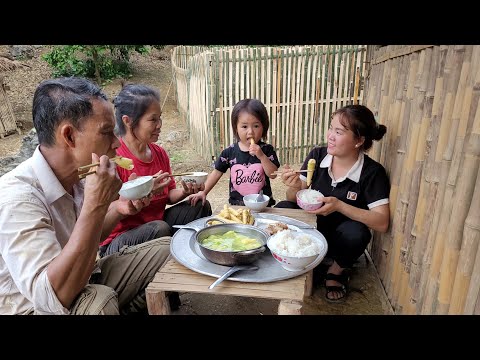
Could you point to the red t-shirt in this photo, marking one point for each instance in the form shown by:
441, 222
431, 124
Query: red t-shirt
156, 209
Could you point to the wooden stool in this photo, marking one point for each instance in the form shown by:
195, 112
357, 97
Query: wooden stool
176, 277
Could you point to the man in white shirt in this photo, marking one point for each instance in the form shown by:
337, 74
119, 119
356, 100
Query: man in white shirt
51, 223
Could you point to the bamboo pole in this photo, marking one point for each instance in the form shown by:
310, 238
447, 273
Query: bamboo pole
309, 121
432, 177
268, 100
328, 93
452, 68
357, 86
458, 282
414, 169
297, 106
450, 253
423, 216
285, 80
467, 279
301, 98
274, 105
471, 239
399, 216
220, 96
291, 102
315, 88
385, 243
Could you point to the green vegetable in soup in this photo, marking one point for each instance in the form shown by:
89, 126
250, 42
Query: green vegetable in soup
230, 241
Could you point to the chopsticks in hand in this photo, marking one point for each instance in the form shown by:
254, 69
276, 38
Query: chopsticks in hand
84, 175
121, 161
278, 172
179, 174
85, 167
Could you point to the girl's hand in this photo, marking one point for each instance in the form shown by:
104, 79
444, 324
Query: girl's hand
255, 150
196, 197
191, 188
330, 205
160, 182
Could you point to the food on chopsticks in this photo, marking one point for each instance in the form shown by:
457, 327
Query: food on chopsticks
240, 216
310, 169
276, 227
121, 161
124, 162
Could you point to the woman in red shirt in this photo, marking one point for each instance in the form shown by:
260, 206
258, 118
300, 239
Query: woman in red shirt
138, 124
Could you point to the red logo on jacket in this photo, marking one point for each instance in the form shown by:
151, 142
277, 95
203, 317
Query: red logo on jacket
352, 195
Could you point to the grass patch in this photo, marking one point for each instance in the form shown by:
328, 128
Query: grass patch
178, 157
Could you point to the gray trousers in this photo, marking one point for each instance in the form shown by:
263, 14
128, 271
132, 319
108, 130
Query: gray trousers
120, 286
179, 214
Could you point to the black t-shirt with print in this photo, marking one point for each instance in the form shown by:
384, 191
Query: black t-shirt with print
372, 186
247, 175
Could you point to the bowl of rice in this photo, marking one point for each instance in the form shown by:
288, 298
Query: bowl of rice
137, 188
294, 250
197, 177
309, 199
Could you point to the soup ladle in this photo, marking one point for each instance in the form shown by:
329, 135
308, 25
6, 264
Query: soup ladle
231, 271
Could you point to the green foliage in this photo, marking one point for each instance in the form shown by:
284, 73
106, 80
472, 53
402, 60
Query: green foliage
178, 157
102, 62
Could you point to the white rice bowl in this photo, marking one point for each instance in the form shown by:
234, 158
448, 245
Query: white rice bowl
294, 244
294, 250
311, 197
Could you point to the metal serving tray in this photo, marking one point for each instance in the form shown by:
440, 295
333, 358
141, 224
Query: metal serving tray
186, 251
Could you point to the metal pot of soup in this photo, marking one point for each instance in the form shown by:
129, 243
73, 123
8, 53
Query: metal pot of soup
231, 244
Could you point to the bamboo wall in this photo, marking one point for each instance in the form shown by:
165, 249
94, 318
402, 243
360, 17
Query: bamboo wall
300, 86
428, 97
7, 117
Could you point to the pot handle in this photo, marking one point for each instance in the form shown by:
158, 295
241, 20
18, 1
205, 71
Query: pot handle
250, 252
188, 227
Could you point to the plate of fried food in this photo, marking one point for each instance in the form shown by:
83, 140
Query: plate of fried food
230, 215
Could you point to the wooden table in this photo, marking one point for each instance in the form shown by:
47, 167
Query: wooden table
173, 276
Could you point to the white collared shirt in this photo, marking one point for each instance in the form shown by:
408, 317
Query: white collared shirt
365, 185
352, 174
37, 217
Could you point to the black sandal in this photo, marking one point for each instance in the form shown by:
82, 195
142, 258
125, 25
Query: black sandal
343, 279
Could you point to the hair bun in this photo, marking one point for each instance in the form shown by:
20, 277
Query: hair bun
380, 131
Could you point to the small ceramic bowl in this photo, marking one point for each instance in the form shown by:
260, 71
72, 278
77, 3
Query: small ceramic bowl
254, 205
292, 263
197, 177
309, 199
137, 188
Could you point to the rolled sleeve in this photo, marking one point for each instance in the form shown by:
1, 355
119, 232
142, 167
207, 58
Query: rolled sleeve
28, 244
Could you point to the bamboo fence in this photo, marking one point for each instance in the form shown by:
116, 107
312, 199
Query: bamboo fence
300, 86
428, 97
8, 124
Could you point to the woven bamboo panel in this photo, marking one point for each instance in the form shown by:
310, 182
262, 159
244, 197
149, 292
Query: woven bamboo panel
428, 97
300, 86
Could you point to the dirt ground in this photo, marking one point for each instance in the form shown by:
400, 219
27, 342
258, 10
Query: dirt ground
154, 69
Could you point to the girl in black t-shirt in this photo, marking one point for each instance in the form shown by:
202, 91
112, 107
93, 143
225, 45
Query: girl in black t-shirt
251, 163
355, 187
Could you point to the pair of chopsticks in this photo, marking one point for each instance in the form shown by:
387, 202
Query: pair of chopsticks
82, 176
178, 174
278, 172
86, 167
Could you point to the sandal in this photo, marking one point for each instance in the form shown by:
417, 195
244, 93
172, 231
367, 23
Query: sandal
343, 279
